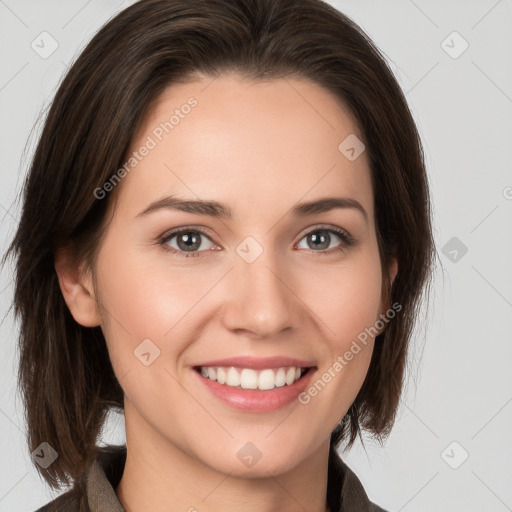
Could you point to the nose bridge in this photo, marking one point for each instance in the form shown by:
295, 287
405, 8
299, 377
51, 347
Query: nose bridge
260, 300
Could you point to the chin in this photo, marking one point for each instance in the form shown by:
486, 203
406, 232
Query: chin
256, 459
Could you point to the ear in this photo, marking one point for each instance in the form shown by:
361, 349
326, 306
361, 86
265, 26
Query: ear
386, 292
77, 288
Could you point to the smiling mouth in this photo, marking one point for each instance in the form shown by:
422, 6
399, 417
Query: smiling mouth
249, 378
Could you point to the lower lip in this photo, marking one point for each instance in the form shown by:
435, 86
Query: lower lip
256, 400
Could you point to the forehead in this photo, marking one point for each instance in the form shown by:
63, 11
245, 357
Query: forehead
246, 143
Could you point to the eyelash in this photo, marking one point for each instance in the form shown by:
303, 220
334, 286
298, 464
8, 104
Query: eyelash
346, 240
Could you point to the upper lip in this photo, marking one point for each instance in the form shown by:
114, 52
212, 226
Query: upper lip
259, 362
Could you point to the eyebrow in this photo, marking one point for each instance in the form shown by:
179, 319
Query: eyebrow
219, 210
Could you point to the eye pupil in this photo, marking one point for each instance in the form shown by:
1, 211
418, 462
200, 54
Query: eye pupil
321, 240
187, 242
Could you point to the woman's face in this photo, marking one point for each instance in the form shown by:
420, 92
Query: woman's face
255, 276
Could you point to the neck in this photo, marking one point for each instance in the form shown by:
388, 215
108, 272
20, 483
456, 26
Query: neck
160, 477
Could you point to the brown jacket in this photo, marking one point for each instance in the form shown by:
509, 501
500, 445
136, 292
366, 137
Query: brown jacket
345, 492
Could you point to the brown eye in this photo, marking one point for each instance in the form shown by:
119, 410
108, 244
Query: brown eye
320, 240
187, 241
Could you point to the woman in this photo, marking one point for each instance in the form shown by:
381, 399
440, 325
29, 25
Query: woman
226, 235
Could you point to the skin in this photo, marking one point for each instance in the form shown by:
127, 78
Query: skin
259, 148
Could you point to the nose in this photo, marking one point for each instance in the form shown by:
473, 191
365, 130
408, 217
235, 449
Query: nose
260, 298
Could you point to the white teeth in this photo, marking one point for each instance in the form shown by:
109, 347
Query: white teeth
221, 376
233, 378
247, 378
267, 379
280, 378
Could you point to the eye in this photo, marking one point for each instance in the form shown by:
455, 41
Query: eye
189, 241
320, 238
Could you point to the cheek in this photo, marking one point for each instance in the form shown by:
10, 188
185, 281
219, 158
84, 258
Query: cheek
134, 291
146, 296
346, 301
346, 298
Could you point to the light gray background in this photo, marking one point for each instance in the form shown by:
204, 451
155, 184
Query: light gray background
460, 384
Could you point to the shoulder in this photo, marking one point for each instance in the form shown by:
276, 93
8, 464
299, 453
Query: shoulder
96, 485
353, 497
376, 508
70, 501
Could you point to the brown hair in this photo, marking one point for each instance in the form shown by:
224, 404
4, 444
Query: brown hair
65, 374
